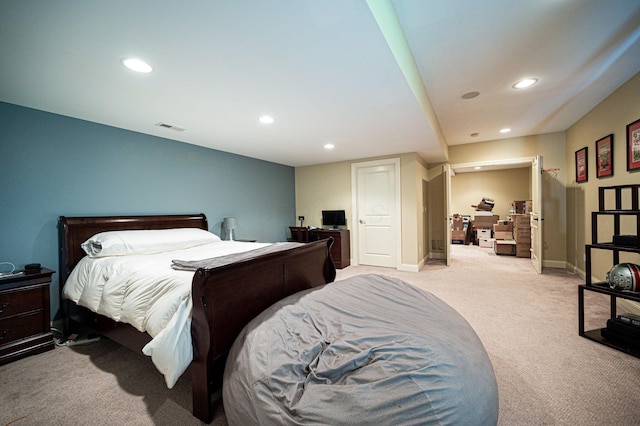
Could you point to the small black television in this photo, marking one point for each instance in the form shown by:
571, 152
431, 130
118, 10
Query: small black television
333, 218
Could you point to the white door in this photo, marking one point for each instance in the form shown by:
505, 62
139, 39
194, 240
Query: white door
447, 211
377, 212
536, 213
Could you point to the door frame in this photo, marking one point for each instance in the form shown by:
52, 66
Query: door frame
535, 163
355, 243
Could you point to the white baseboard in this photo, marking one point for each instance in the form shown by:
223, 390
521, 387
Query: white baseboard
574, 269
408, 268
560, 264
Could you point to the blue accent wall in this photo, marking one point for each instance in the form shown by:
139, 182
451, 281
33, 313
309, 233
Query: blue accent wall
52, 165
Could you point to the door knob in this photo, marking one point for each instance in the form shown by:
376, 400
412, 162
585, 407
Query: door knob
363, 222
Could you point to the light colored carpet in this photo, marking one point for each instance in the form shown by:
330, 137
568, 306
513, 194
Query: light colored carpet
546, 373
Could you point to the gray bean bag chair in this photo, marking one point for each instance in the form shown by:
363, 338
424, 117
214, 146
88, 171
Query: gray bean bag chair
369, 350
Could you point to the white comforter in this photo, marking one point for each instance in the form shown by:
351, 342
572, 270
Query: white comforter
144, 291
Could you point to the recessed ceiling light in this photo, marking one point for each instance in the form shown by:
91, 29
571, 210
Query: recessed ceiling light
137, 65
505, 130
329, 146
477, 167
470, 95
527, 82
266, 119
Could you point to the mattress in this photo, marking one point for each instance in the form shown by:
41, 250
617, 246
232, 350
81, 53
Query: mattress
146, 292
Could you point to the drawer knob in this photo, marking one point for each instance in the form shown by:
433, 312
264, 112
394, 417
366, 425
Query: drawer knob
4, 306
4, 333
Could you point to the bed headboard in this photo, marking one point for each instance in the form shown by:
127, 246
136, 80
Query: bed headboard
73, 231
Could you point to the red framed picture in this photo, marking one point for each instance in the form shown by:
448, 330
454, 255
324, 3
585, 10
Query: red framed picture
582, 165
633, 146
604, 156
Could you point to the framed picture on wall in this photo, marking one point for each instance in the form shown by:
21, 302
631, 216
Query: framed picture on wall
604, 156
582, 165
633, 146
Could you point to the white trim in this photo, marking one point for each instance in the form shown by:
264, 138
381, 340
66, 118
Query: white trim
560, 264
408, 268
494, 163
354, 205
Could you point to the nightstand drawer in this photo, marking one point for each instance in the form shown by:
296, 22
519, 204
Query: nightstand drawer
21, 300
19, 327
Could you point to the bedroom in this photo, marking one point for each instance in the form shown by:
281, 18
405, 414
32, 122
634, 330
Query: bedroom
53, 164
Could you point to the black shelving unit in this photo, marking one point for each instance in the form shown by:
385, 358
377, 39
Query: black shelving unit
617, 212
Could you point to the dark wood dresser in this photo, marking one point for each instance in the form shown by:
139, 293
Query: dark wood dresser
24, 315
340, 250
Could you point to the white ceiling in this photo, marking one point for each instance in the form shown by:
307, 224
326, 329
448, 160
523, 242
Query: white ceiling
324, 69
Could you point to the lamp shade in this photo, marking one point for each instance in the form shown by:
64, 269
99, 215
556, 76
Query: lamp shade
229, 224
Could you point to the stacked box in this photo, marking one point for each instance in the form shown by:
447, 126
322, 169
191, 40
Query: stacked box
522, 207
484, 233
503, 230
485, 222
485, 242
520, 221
522, 234
523, 249
458, 231
507, 247
458, 235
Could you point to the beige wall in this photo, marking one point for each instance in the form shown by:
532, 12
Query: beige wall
503, 186
552, 148
611, 116
328, 186
567, 206
437, 212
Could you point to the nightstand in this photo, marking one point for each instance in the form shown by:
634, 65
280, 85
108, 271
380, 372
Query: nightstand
24, 315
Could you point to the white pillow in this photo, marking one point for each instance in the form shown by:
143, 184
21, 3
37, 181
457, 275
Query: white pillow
118, 243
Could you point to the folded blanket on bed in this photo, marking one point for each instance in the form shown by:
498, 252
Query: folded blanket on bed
215, 262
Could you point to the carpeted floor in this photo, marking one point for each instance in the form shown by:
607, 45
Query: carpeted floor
546, 373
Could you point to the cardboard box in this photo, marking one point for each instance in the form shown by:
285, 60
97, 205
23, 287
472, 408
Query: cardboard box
522, 235
485, 242
503, 230
458, 235
503, 235
506, 247
485, 222
521, 221
523, 250
484, 233
503, 226
485, 204
457, 224
523, 206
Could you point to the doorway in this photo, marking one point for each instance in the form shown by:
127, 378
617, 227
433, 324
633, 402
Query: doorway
534, 166
376, 212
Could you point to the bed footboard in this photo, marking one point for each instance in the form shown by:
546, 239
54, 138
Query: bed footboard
225, 299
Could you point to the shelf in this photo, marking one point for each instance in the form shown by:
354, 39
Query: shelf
632, 190
597, 337
633, 194
611, 246
616, 223
604, 288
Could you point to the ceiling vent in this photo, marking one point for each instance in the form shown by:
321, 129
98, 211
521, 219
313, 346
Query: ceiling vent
169, 126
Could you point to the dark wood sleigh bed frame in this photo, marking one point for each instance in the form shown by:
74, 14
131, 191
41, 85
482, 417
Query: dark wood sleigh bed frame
225, 299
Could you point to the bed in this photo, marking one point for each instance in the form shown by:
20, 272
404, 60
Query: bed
366, 350
223, 298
